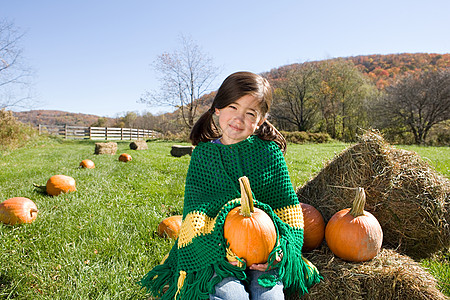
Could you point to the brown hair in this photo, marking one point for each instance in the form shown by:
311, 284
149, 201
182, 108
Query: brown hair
235, 86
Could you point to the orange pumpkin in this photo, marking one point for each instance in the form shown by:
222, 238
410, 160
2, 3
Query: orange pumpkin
354, 234
124, 157
249, 231
314, 227
87, 163
18, 210
170, 227
58, 184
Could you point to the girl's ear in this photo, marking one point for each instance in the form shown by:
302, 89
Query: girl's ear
217, 111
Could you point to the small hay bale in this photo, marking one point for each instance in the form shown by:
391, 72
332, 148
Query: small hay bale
106, 148
389, 276
409, 198
138, 145
179, 151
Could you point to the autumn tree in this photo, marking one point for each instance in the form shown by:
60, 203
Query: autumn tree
14, 75
101, 122
417, 102
129, 120
341, 94
294, 100
185, 75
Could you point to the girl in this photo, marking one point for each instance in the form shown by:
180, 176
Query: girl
200, 265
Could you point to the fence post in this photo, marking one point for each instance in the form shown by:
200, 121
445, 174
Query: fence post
65, 131
106, 133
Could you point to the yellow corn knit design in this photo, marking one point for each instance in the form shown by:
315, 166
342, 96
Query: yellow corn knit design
180, 282
193, 225
231, 256
291, 215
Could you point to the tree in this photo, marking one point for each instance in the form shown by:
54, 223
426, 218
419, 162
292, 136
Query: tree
341, 92
186, 75
101, 122
417, 102
294, 101
14, 76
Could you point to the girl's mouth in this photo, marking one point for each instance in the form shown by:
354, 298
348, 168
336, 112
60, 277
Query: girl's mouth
234, 128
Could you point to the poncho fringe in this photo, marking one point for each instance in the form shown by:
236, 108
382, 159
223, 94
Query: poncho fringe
197, 261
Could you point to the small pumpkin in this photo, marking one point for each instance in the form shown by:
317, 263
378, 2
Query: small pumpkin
125, 157
170, 227
58, 184
314, 227
250, 232
18, 210
354, 234
87, 163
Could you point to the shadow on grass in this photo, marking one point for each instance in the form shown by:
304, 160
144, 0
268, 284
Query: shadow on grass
7, 287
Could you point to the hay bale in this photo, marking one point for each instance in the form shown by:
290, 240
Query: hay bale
389, 275
179, 151
409, 198
138, 145
106, 148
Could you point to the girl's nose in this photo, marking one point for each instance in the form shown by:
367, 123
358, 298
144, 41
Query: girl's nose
239, 116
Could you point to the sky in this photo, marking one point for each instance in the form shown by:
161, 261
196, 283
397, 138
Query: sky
97, 56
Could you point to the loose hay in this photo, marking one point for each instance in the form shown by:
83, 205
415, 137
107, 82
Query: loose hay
389, 275
409, 198
138, 145
106, 148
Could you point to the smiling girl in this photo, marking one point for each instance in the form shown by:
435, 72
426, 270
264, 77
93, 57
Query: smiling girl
200, 265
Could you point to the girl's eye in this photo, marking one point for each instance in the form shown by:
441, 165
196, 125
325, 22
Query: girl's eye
232, 106
253, 115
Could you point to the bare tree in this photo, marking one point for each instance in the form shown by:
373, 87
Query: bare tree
14, 76
417, 101
294, 101
186, 75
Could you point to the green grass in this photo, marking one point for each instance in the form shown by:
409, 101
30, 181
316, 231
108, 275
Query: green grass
97, 242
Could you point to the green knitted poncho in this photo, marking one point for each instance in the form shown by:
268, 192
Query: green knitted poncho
212, 190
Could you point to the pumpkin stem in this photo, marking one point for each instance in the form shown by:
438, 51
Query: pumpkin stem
247, 207
41, 187
359, 203
33, 211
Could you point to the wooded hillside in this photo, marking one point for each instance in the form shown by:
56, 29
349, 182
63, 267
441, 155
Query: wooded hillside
56, 117
381, 69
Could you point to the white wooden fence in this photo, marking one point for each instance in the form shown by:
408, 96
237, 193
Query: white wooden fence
97, 133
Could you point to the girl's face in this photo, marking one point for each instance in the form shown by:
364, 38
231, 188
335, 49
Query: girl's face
239, 120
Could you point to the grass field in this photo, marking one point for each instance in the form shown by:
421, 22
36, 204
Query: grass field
97, 242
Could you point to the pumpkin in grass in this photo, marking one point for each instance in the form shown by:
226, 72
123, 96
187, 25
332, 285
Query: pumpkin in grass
314, 227
170, 227
354, 234
58, 184
18, 210
87, 163
249, 231
124, 157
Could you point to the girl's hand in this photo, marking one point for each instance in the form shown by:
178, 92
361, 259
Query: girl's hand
263, 267
234, 263
259, 267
